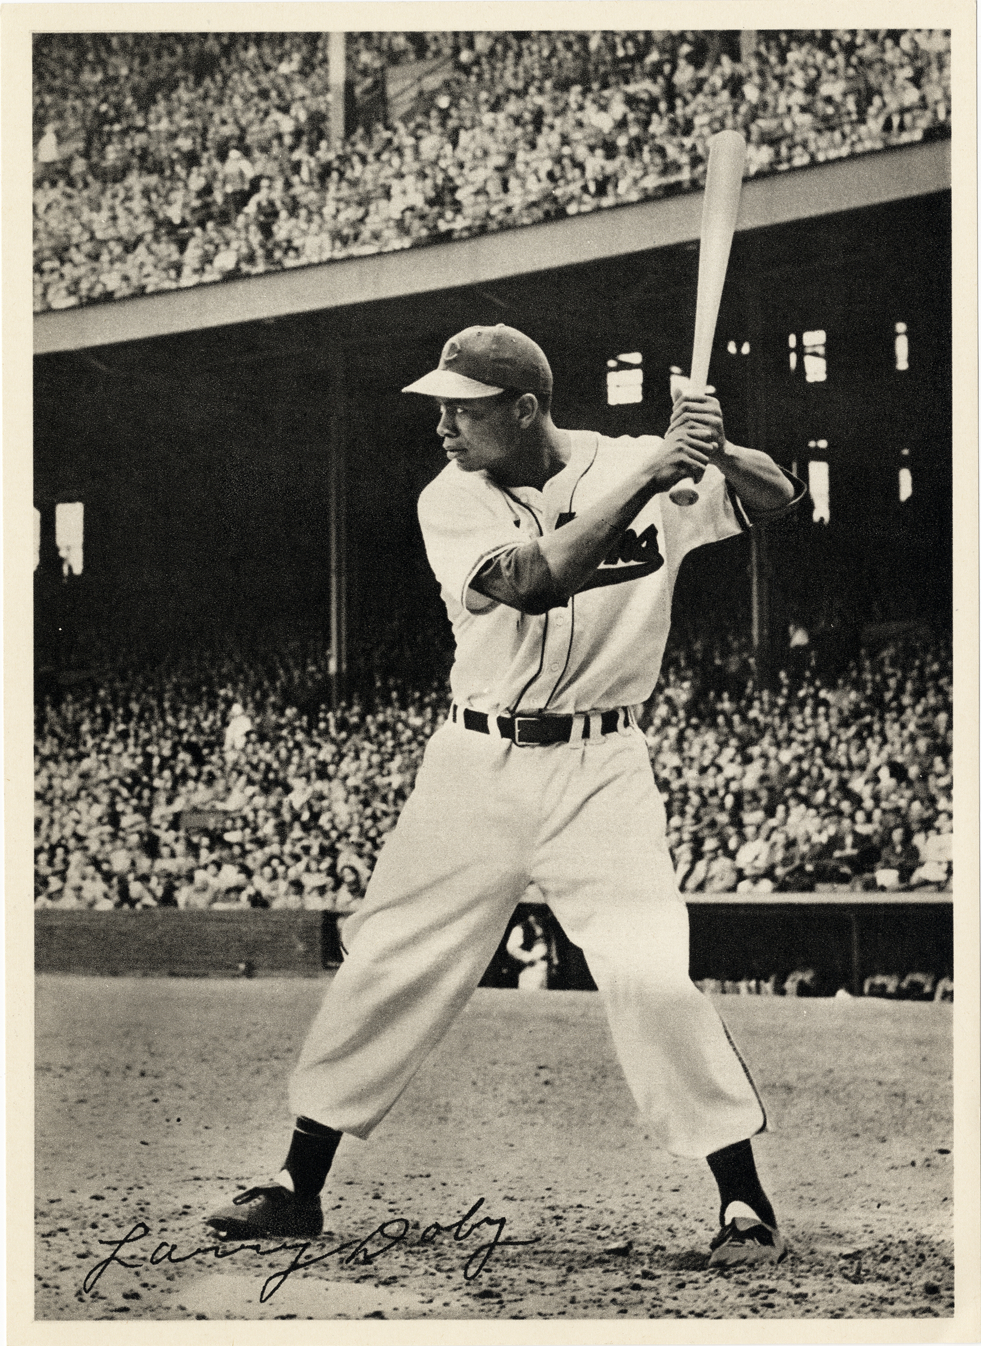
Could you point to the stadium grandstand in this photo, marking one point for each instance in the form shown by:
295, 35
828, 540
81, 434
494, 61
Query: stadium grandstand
174, 161
246, 244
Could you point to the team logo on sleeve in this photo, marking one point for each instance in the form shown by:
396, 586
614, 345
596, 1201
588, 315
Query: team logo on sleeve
634, 556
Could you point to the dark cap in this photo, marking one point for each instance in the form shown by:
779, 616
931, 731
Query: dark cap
482, 361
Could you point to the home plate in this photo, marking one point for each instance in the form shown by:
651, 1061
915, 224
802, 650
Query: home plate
220, 1296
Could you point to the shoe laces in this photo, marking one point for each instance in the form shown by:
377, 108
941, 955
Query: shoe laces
733, 1233
253, 1193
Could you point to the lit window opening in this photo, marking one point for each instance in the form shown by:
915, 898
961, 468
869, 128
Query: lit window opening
680, 383
902, 347
69, 536
905, 484
625, 385
815, 356
819, 486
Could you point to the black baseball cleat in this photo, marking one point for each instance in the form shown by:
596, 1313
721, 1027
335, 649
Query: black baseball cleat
747, 1242
270, 1211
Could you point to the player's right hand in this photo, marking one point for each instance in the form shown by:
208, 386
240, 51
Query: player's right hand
680, 455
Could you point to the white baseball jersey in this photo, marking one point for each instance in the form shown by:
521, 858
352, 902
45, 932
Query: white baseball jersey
582, 820
604, 648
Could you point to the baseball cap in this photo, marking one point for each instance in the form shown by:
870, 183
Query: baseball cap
482, 361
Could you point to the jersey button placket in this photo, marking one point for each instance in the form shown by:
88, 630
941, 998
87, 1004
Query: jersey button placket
559, 634
558, 642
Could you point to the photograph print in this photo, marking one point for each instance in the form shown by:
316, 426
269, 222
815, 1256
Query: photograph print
493, 651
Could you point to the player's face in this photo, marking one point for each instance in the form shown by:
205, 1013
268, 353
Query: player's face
479, 433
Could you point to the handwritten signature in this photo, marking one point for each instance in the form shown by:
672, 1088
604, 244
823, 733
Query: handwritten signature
362, 1252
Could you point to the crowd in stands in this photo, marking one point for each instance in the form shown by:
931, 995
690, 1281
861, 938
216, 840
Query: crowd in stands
168, 160
206, 785
813, 785
227, 782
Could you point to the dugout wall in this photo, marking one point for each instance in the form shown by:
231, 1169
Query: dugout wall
843, 937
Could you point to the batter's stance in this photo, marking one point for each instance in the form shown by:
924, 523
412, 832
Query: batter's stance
557, 552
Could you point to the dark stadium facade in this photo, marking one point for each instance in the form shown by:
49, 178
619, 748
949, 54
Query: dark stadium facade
207, 460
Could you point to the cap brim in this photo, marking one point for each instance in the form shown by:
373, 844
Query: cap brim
445, 383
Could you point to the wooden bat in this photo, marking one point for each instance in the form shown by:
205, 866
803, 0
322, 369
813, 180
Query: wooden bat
720, 205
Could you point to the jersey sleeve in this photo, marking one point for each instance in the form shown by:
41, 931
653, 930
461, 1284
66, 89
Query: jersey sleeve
465, 523
520, 578
800, 490
718, 512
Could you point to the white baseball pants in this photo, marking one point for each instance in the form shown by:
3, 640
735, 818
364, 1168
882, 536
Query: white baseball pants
586, 824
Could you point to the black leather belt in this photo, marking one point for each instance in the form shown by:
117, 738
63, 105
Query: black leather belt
538, 730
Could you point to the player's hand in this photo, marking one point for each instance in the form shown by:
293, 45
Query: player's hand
701, 418
694, 436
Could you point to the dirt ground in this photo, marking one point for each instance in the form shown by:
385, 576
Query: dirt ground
156, 1099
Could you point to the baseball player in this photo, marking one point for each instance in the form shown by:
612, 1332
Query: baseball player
556, 552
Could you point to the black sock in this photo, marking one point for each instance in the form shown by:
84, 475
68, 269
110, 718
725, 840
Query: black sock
310, 1155
734, 1169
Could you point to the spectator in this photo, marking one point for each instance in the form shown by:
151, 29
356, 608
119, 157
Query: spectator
715, 872
238, 730
196, 894
796, 776
350, 889
94, 889
898, 860
347, 897
936, 848
290, 897
685, 862
149, 146
721, 875
528, 945
752, 860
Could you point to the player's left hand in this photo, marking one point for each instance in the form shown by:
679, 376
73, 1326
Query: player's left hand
701, 418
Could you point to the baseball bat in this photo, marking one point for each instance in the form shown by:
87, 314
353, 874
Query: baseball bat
720, 205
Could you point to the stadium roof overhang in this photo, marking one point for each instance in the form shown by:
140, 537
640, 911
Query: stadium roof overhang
862, 181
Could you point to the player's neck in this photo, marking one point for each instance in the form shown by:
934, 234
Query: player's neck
542, 456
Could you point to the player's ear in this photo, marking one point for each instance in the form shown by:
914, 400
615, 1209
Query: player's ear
526, 409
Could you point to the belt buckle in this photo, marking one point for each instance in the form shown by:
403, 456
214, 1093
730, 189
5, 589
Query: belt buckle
520, 742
